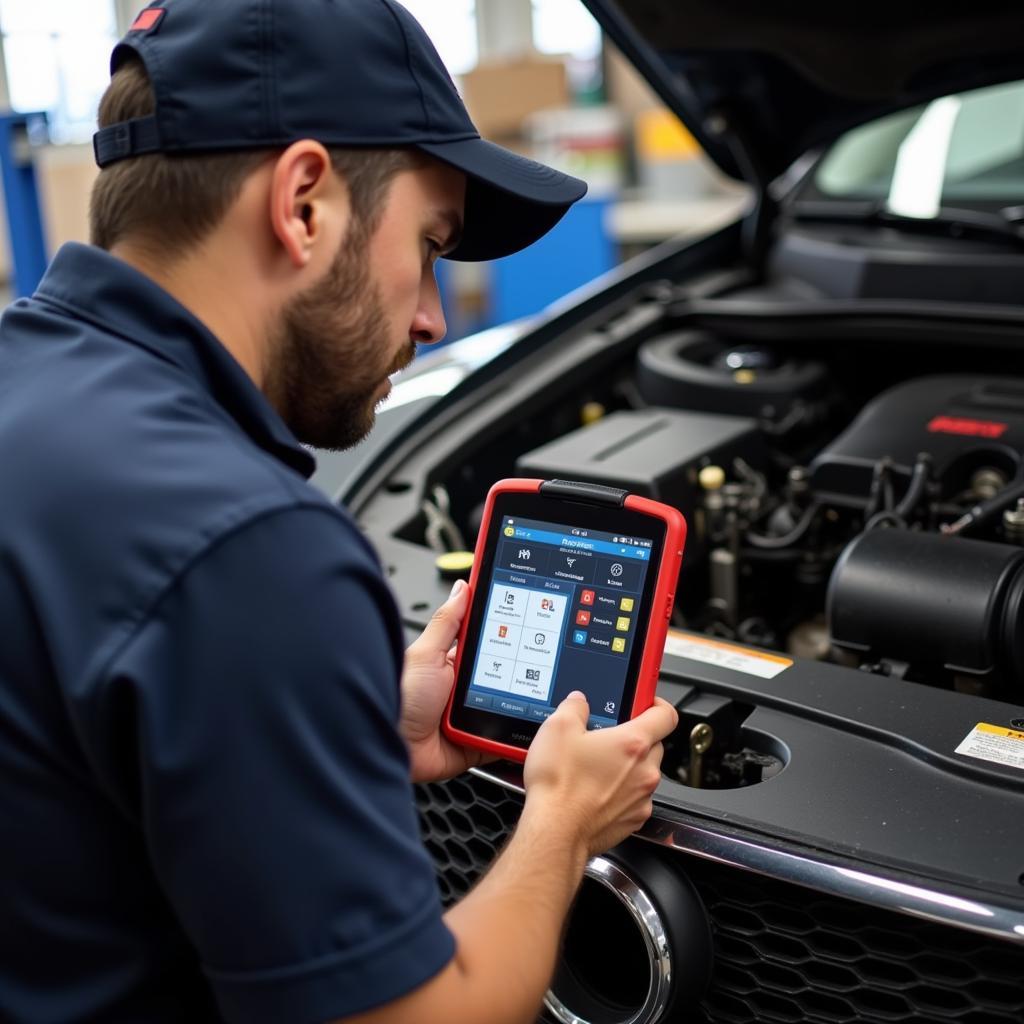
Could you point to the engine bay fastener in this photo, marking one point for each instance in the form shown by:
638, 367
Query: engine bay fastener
1013, 523
701, 738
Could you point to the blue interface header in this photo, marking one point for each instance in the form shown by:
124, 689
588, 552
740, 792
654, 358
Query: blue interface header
603, 547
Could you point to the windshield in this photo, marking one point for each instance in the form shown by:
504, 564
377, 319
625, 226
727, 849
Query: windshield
961, 150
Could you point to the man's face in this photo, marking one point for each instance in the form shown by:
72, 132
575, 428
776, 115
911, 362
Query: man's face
341, 339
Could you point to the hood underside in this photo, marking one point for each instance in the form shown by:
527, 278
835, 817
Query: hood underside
760, 84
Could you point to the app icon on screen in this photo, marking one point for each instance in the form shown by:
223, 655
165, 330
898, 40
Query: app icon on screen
619, 644
503, 631
582, 618
626, 604
579, 637
587, 597
622, 624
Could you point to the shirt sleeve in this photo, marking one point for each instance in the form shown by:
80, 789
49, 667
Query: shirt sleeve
251, 724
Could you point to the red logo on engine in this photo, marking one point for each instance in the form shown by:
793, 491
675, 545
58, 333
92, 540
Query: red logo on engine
968, 428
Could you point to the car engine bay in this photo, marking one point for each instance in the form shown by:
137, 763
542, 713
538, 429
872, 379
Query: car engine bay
848, 614
862, 506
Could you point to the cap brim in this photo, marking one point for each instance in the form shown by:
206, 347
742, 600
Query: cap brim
510, 201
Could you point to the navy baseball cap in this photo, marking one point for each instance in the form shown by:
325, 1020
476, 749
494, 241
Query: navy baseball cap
249, 74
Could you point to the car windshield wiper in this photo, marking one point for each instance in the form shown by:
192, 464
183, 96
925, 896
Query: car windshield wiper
950, 222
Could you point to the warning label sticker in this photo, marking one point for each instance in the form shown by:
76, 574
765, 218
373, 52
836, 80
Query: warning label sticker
714, 652
994, 743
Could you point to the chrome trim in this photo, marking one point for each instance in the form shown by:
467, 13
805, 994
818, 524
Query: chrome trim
985, 916
648, 921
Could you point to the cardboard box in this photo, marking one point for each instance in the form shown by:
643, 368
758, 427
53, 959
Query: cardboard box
500, 96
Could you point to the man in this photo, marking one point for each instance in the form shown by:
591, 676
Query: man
205, 756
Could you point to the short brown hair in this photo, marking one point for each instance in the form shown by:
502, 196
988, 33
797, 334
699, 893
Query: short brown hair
174, 201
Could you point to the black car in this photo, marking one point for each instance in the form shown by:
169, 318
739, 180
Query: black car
832, 391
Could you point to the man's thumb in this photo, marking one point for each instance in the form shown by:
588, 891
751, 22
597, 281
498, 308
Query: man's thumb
576, 704
443, 627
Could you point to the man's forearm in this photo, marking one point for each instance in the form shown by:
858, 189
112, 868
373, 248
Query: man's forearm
507, 932
509, 928
587, 791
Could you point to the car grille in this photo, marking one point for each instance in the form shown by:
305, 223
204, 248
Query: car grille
783, 954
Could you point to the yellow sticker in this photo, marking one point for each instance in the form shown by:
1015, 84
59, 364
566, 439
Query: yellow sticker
994, 743
998, 730
731, 656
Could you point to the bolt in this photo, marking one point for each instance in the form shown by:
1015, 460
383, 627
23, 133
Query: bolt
799, 481
987, 482
716, 124
1013, 522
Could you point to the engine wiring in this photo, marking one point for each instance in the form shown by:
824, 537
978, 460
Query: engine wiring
982, 514
786, 540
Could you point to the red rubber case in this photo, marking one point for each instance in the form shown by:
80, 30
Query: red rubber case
662, 602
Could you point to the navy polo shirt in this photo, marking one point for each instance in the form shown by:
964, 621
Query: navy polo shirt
205, 801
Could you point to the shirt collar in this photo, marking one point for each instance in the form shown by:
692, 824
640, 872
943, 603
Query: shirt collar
107, 292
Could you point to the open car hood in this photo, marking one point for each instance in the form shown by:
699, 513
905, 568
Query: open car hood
760, 84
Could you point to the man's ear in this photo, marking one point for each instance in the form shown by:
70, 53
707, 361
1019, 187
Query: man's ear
304, 192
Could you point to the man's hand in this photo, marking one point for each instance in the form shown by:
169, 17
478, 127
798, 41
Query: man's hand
585, 791
427, 681
597, 785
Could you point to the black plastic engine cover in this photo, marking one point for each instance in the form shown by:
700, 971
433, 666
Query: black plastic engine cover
963, 423
656, 453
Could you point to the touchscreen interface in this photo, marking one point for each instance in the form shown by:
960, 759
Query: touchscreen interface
561, 615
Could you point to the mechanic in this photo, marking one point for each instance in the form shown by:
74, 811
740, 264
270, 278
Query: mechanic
208, 726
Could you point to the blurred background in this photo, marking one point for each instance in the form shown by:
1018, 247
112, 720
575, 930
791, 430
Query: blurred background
536, 75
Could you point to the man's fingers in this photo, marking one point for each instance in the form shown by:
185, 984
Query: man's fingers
444, 626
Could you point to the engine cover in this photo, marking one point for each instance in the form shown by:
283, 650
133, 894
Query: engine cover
653, 452
963, 423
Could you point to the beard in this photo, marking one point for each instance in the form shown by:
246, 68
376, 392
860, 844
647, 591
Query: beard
328, 360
